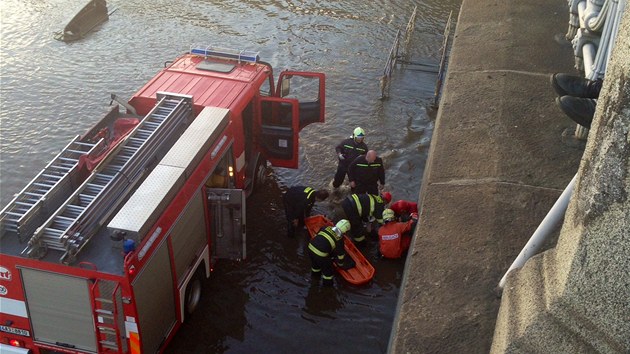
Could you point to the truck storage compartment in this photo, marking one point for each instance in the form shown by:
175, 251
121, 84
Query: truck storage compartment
60, 309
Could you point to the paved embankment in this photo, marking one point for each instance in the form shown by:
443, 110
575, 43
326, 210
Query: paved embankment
496, 166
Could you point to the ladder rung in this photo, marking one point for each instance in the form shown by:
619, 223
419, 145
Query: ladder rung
80, 152
103, 312
59, 166
69, 165
52, 176
53, 232
84, 144
103, 327
109, 344
34, 194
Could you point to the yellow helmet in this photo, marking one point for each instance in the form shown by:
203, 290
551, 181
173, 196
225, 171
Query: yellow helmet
358, 133
388, 215
343, 225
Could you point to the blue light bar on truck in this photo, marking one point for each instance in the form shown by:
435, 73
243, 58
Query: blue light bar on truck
240, 55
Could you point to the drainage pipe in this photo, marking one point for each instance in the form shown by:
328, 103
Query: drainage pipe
588, 55
549, 223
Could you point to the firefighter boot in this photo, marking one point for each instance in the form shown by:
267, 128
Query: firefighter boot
328, 281
577, 86
580, 110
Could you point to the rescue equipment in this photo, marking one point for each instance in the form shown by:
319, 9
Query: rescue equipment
363, 271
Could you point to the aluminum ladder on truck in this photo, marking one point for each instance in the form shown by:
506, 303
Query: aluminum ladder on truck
47, 191
79, 218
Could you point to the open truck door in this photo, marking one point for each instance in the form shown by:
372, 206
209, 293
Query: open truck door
310, 91
226, 208
299, 100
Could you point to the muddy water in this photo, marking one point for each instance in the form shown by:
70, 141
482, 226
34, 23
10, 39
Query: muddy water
51, 91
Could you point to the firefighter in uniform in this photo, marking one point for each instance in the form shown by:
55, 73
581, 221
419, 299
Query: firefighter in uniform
298, 202
347, 151
360, 208
328, 243
366, 172
394, 237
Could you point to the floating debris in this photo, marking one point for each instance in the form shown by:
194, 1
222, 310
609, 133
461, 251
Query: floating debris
91, 15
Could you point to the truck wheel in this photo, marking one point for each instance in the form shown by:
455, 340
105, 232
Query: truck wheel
193, 292
260, 176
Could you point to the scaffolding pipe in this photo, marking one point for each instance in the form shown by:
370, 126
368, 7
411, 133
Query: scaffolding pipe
549, 223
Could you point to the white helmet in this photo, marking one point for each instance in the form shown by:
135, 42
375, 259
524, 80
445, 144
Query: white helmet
343, 225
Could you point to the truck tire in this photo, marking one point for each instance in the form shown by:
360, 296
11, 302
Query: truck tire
260, 175
194, 291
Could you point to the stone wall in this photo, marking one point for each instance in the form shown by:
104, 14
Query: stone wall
576, 297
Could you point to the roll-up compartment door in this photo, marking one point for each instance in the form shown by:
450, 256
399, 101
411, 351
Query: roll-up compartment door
60, 309
155, 300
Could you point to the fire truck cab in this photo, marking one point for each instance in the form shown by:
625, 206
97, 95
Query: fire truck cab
104, 251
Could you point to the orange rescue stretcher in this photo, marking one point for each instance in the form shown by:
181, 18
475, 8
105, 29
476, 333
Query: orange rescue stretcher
363, 272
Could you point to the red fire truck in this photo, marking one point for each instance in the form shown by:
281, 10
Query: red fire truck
104, 251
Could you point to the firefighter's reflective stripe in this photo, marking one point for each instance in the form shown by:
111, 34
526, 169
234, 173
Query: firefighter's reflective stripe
360, 207
328, 237
354, 148
371, 204
308, 191
359, 239
358, 203
373, 200
316, 251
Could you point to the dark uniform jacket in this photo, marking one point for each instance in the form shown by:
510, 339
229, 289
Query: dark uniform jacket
325, 244
299, 201
350, 149
367, 174
367, 205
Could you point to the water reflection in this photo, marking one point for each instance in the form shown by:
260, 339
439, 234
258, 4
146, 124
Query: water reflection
321, 301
